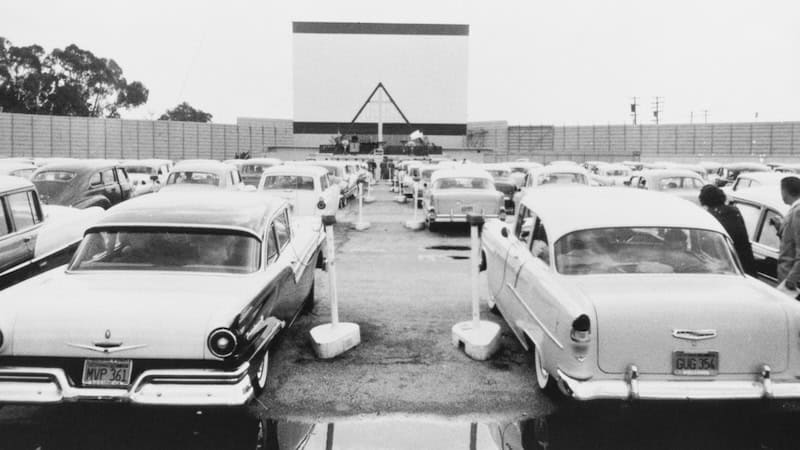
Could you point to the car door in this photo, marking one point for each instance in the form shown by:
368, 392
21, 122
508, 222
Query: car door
516, 255
125, 184
23, 219
111, 188
766, 246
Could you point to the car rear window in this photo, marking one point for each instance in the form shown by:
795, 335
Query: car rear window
302, 183
168, 249
144, 170
191, 177
54, 175
463, 183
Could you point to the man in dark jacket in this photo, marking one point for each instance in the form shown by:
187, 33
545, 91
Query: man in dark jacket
713, 199
789, 257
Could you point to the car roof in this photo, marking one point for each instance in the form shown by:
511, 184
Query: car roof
253, 161
301, 169
208, 165
764, 176
566, 210
11, 183
661, 173
464, 171
245, 211
746, 165
559, 168
79, 165
769, 196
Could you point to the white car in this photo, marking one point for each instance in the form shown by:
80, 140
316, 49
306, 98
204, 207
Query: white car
455, 193
146, 175
171, 299
628, 294
193, 173
562, 174
308, 189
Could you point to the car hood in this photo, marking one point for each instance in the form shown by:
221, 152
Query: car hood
638, 314
156, 314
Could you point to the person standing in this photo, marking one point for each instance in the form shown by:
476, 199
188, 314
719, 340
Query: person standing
789, 256
713, 200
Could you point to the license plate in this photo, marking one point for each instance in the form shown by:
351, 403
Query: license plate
695, 363
466, 209
107, 372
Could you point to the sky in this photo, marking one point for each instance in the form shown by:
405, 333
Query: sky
530, 61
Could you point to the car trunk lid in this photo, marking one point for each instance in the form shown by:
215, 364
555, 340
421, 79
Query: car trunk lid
643, 319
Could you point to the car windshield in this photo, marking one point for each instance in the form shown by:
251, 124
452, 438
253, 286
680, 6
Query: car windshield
191, 177
54, 175
462, 183
616, 172
288, 182
426, 174
563, 178
165, 249
140, 169
643, 250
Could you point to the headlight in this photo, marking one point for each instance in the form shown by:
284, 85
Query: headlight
222, 342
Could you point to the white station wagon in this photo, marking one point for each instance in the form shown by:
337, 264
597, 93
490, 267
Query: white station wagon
624, 293
171, 299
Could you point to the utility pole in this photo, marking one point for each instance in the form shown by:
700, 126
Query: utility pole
634, 111
705, 116
658, 109
691, 116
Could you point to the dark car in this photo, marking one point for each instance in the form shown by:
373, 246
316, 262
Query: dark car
83, 183
504, 183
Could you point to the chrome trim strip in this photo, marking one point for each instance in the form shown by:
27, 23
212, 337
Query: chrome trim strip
101, 349
694, 335
248, 231
535, 317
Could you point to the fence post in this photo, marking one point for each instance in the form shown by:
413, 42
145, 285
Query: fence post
33, 140
121, 139
153, 126
770, 137
51, 135
105, 136
263, 144
694, 139
88, 137
751, 138
658, 140
791, 139
12, 134
578, 138
183, 140
69, 137
712, 138
594, 141
625, 139
676, 139
138, 149
641, 144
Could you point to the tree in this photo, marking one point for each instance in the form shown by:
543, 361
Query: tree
69, 81
186, 113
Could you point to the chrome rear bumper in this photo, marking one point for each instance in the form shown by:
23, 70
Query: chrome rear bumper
761, 386
179, 387
457, 218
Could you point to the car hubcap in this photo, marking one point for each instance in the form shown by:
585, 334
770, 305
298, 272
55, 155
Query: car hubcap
542, 377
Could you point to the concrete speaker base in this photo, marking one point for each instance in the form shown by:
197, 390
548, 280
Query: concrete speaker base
415, 225
400, 199
369, 199
361, 226
330, 341
479, 343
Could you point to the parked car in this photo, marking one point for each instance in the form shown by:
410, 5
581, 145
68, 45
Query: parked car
454, 193
729, 172
338, 172
251, 169
763, 211
146, 175
613, 174
788, 168
194, 173
520, 168
504, 183
682, 183
17, 169
83, 183
34, 237
560, 174
308, 189
754, 179
632, 294
162, 305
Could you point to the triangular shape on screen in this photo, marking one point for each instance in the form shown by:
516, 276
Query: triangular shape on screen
372, 104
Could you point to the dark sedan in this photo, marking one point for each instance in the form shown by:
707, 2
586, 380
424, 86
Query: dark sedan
83, 183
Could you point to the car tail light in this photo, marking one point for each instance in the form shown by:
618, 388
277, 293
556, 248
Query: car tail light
222, 342
321, 204
1, 339
581, 329
502, 214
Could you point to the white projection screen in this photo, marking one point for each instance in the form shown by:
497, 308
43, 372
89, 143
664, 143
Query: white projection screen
423, 67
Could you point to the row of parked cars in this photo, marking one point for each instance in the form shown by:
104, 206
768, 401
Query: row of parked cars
226, 258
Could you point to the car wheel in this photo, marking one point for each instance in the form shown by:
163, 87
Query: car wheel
545, 382
259, 366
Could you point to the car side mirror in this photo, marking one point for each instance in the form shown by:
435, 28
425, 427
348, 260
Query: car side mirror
504, 232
